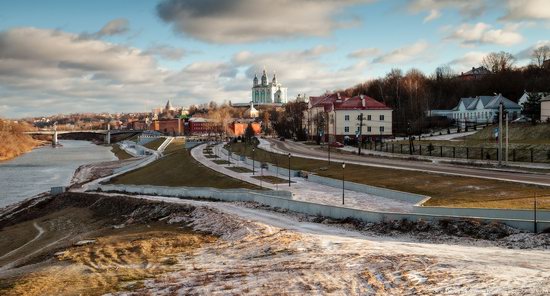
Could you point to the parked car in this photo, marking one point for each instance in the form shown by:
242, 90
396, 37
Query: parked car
522, 119
336, 144
282, 139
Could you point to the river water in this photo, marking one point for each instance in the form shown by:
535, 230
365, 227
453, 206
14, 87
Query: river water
45, 167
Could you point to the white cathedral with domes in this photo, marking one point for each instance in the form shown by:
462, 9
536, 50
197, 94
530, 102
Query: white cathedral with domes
268, 93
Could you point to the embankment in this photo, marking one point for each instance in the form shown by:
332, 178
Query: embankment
14, 142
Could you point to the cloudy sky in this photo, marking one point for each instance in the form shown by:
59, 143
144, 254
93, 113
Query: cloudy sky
132, 55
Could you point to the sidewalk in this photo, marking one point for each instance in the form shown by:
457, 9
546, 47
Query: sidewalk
303, 190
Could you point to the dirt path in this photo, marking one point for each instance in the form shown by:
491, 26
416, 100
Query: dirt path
38, 235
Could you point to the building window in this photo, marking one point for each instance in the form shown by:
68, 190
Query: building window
368, 129
346, 129
346, 117
369, 117
381, 129
382, 117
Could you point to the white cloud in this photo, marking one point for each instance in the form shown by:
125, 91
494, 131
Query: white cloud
527, 10
364, 53
434, 14
468, 8
166, 52
254, 20
482, 33
527, 53
114, 27
405, 54
469, 60
47, 72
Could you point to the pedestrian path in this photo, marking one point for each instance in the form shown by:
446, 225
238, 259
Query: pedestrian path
302, 189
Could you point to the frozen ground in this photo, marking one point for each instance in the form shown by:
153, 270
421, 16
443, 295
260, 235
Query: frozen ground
268, 253
308, 191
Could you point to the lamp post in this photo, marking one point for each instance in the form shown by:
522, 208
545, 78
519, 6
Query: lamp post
229, 154
289, 156
343, 181
253, 161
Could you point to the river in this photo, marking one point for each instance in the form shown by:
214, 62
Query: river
45, 167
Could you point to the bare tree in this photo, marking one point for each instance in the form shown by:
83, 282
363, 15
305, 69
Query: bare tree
499, 61
540, 55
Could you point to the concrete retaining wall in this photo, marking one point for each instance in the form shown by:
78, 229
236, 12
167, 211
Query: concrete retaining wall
489, 213
267, 198
198, 192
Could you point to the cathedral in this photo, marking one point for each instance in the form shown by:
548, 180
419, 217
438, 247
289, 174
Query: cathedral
268, 93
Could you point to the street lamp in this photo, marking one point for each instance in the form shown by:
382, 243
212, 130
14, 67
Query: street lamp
229, 154
343, 181
289, 156
253, 161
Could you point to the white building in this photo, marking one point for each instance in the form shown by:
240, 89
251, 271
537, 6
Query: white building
343, 118
545, 109
268, 92
481, 109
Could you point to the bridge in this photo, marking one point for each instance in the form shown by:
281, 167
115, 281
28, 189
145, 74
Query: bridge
54, 133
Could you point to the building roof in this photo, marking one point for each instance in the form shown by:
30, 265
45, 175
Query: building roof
356, 103
478, 71
488, 102
545, 99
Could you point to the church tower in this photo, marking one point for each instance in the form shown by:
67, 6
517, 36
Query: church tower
255, 80
264, 79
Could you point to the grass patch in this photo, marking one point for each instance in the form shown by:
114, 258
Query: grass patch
240, 169
155, 144
445, 190
179, 169
211, 156
175, 145
219, 161
120, 153
271, 179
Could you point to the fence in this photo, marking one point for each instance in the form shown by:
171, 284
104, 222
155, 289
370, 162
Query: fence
465, 152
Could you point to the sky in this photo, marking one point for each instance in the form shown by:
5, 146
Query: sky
65, 56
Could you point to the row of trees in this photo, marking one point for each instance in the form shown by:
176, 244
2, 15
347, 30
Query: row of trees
412, 93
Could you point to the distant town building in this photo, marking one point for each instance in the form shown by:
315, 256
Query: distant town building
545, 109
199, 126
239, 126
546, 64
251, 112
265, 92
172, 127
475, 73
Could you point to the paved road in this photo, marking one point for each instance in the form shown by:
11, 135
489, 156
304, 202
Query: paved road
311, 152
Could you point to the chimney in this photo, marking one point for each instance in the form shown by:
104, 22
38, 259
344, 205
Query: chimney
362, 101
338, 99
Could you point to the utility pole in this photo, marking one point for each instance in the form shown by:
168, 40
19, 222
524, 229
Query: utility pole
500, 109
360, 136
506, 157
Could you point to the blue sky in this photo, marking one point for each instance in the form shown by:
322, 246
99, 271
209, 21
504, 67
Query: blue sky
123, 56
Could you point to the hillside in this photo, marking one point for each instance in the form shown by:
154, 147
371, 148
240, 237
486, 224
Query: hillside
520, 133
14, 142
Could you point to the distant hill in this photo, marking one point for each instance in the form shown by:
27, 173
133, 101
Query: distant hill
12, 140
